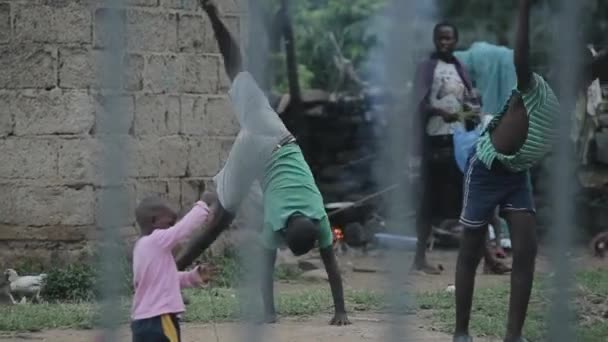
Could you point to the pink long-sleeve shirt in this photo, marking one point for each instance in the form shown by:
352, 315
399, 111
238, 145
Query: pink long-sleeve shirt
156, 279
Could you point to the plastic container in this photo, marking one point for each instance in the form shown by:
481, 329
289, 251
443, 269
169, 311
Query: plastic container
393, 241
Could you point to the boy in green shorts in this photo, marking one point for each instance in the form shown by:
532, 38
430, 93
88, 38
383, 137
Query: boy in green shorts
497, 174
266, 160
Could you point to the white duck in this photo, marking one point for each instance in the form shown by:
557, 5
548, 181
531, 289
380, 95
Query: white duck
25, 286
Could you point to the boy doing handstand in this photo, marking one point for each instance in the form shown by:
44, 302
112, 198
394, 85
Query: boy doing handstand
266, 153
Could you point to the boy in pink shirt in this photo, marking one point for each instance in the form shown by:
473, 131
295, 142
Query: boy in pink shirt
158, 299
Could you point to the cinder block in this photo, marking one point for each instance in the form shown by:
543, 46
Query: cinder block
46, 206
5, 23
157, 115
144, 30
199, 74
125, 195
24, 158
134, 65
126, 107
52, 112
47, 233
192, 190
192, 34
27, 66
145, 157
188, 5
162, 72
79, 160
167, 189
208, 116
220, 117
82, 68
6, 116
187, 73
76, 68
173, 156
148, 31
147, 3
65, 22
204, 157
193, 114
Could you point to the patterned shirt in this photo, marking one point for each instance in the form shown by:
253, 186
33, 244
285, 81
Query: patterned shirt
542, 107
447, 92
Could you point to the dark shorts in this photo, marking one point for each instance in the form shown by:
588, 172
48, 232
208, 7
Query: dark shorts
163, 328
485, 189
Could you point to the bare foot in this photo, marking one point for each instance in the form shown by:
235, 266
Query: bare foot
268, 319
424, 266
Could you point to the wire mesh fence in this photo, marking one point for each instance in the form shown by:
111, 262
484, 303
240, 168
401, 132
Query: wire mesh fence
394, 74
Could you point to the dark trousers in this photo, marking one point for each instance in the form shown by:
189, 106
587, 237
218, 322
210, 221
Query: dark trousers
164, 328
441, 182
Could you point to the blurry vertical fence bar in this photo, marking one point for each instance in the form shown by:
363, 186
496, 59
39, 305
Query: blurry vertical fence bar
112, 211
563, 168
255, 55
394, 165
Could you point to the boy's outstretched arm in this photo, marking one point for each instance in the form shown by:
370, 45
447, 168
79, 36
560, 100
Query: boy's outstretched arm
228, 46
521, 56
335, 282
219, 221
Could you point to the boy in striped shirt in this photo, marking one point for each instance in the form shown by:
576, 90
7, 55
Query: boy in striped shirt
497, 175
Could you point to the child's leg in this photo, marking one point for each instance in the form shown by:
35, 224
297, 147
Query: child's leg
163, 328
519, 210
482, 192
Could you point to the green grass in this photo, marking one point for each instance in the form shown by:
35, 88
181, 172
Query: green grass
205, 306
490, 306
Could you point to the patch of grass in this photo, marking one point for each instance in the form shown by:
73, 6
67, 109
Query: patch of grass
287, 272
218, 304
231, 271
490, 307
46, 316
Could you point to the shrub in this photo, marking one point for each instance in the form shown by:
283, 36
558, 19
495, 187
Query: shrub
74, 283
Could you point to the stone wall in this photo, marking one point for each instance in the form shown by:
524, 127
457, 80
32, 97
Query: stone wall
181, 125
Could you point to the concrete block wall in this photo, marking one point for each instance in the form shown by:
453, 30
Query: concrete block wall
180, 122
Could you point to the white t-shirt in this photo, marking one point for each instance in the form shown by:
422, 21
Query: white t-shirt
261, 131
448, 93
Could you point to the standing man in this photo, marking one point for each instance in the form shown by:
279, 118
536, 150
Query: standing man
441, 86
265, 153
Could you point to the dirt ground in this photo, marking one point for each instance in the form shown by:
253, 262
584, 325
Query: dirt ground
366, 327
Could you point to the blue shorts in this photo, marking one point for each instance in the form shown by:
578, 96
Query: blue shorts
485, 189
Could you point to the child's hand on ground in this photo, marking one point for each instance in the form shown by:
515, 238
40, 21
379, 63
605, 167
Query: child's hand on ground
340, 319
206, 273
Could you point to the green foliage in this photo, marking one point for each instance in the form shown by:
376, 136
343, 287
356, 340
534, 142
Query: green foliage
79, 282
350, 23
73, 283
314, 20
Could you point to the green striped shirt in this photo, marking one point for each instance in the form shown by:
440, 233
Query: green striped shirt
542, 107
